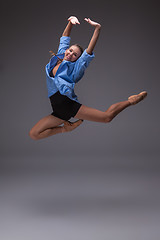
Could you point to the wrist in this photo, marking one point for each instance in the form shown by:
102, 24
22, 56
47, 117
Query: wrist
69, 23
98, 26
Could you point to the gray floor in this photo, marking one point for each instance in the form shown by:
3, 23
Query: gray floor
112, 198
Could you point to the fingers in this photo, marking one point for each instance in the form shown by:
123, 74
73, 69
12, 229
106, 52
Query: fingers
95, 24
90, 21
73, 20
86, 19
70, 18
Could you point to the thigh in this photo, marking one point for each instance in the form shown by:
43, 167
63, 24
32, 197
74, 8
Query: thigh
46, 123
90, 114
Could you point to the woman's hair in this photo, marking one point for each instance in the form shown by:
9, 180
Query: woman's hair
80, 48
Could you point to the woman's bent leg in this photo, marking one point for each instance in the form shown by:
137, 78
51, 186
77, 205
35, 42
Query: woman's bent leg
50, 125
46, 127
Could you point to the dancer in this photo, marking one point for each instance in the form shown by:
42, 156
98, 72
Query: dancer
63, 71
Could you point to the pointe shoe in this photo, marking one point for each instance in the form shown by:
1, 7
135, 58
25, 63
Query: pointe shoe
69, 126
134, 99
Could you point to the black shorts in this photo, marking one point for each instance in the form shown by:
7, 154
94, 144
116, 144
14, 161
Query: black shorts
63, 107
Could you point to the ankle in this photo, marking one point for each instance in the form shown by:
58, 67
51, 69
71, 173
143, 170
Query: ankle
63, 130
129, 103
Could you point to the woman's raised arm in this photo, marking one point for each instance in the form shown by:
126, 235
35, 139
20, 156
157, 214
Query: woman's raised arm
95, 36
71, 21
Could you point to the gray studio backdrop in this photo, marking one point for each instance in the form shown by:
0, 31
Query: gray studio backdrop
126, 62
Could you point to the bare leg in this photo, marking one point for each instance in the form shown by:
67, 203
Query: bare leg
91, 114
50, 125
116, 108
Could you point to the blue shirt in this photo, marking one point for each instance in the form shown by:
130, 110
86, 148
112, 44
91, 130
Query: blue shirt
68, 73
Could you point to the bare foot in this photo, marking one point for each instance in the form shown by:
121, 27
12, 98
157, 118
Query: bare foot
69, 126
134, 99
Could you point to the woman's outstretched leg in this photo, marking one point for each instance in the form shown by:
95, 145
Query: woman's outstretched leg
91, 114
50, 125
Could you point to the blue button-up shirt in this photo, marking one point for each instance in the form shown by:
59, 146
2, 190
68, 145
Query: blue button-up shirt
68, 73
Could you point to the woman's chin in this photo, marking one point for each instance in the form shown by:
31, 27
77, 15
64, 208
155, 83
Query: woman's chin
68, 59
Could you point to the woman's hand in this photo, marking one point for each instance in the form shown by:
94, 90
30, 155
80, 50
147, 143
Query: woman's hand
73, 20
95, 24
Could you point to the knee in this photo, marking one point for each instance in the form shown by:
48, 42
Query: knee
33, 135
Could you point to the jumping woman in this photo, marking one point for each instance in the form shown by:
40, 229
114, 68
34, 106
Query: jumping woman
63, 71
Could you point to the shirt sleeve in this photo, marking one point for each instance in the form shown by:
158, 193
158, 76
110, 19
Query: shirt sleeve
81, 64
64, 44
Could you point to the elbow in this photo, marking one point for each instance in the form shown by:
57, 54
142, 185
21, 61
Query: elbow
90, 52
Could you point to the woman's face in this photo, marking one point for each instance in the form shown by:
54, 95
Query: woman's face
72, 53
